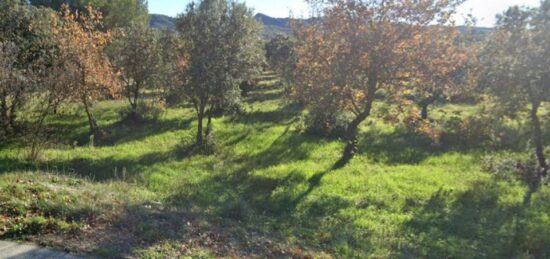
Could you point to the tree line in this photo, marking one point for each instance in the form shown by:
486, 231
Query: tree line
407, 54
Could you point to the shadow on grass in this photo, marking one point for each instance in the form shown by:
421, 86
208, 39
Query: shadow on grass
479, 224
260, 96
397, 147
120, 133
282, 115
98, 170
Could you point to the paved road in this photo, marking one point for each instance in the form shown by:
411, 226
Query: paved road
11, 250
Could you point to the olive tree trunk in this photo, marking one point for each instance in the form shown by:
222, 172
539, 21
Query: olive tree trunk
94, 129
351, 133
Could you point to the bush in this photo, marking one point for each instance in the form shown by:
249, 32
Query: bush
481, 131
326, 124
247, 86
511, 166
148, 111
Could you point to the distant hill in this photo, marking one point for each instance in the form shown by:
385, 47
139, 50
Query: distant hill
275, 26
163, 22
272, 26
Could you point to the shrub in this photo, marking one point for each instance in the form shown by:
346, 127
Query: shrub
148, 111
510, 166
481, 131
247, 86
331, 125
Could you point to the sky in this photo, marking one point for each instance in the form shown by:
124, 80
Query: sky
484, 10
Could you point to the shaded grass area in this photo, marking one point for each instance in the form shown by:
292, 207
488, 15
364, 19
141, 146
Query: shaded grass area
268, 192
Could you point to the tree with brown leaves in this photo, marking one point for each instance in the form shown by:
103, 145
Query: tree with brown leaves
81, 66
360, 49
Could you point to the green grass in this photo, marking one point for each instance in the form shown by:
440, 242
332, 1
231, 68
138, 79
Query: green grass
268, 192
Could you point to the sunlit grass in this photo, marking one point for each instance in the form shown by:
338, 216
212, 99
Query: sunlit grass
397, 198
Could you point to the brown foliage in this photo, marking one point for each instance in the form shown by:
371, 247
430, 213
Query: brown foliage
81, 70
360, 49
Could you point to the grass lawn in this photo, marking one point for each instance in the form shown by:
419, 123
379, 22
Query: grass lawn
268, 192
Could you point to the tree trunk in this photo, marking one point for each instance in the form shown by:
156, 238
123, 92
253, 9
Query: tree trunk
136, 97
4, 117
424, 112
538, 140
133, 96
209, 122
351, 132
199, 129
91, 120
13, 109
424, 104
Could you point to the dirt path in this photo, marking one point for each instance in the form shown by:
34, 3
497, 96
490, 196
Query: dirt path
14, 250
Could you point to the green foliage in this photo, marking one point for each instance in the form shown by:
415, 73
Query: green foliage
482, 130
325, 124
27, 47
224, 49
119, 13
516, 68
137, 53
280, 56
511, 166
145, 111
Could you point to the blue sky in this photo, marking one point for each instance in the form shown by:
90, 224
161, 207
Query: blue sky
483, 10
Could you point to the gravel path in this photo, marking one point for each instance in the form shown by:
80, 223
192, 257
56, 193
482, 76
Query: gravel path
14, 250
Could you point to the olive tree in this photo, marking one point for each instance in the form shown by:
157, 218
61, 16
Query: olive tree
136, 53
116, 13
516, 67
26, 48
280, 56
224, 49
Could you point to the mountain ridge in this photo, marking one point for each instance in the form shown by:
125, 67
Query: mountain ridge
274, 26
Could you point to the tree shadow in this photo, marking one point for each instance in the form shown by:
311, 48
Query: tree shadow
120, 133
397, 147
477, 223
267, 205
288, 112
262, 96
98, 170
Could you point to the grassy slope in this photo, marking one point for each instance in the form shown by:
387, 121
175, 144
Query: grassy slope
269, 191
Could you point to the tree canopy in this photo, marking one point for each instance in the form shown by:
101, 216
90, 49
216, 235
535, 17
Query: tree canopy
119, 13
516, 67
359, 48
224, 49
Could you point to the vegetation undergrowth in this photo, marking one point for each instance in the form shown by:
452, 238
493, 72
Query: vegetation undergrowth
268, 191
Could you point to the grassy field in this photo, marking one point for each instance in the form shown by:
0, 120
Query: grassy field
269, 191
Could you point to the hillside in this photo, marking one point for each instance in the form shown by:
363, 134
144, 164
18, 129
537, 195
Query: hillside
272, 26
275, 26
163, 22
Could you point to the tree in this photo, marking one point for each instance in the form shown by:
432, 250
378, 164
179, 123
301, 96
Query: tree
119, 13
280, 56
224, 49
137, 54
452, 71
81, 67
10, 78
516, 67
26, 47
359, 49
